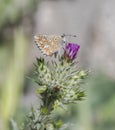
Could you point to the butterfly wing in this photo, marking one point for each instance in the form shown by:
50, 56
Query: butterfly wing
54, 43
48, 44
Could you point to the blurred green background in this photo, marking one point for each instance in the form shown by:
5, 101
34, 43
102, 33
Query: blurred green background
93, 21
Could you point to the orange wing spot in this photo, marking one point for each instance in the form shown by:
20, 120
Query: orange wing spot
47, 52
45, 40
39, 38
42, 46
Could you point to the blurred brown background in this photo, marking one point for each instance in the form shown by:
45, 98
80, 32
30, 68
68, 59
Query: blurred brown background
93, 21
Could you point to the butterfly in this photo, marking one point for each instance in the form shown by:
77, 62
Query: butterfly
50, 44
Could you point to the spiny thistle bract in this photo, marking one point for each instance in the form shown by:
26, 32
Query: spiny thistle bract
58, 85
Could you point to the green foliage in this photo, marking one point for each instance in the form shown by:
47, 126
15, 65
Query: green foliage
14, 79
103, 101
10, 10
58, 85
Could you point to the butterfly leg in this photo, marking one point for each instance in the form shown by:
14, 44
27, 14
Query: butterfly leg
55, 54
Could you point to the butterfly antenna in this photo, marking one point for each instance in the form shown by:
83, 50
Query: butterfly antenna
63, 35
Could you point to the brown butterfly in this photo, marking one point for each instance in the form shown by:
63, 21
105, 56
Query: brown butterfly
50, 44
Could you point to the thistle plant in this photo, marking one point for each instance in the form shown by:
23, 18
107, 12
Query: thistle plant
58, 85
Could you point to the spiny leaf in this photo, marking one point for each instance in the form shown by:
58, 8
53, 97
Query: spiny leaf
58, 124
41, 89
44, 110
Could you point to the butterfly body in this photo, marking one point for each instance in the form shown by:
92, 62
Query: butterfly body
50, 44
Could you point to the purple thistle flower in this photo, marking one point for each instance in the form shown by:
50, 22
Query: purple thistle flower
71, 50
